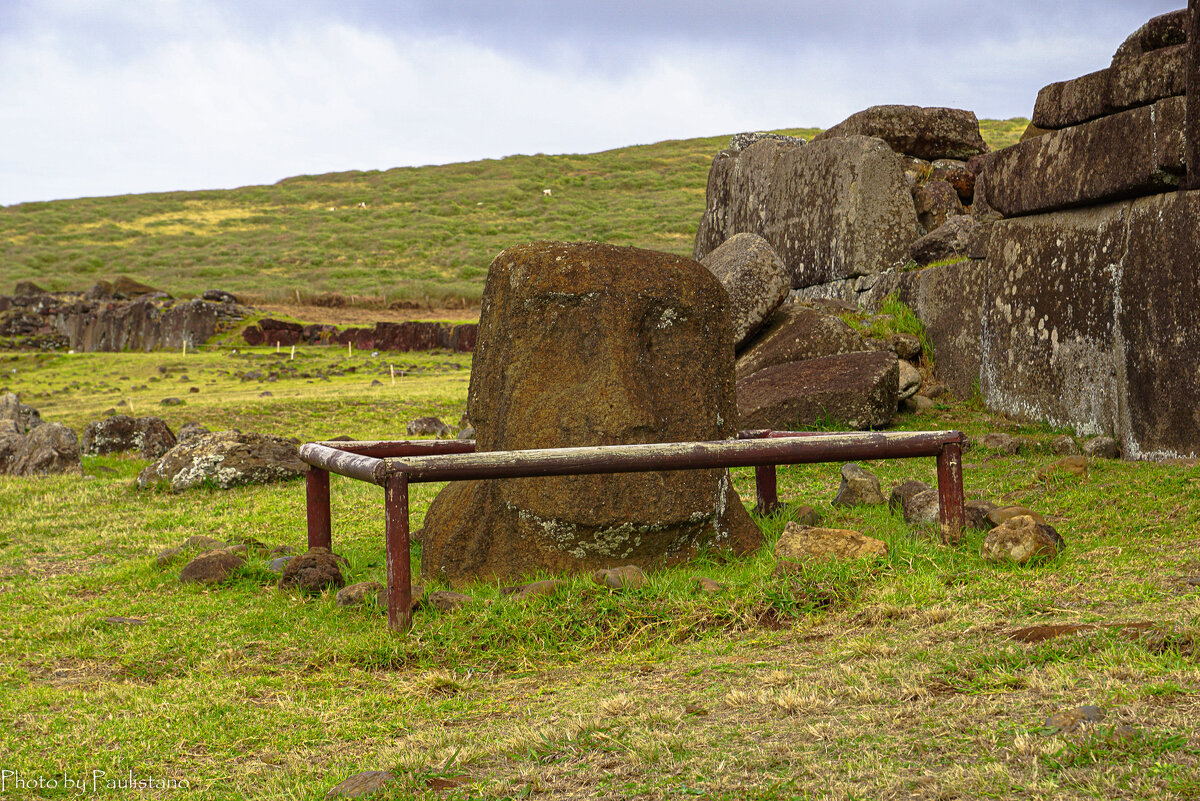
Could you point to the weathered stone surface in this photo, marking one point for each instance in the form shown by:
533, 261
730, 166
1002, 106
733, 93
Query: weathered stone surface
755, 279
903, 493
999, 441
621, 578
978, 513
796, 333
1066, 466
909, 380
917, 404
1161, 31
361, 593
1131, 83
831, 210
314, 571
1135, 152
535, 589
957, 237
858, 390
936, 202
858, 488
1021, 539
10, 440
1102, 448
949, 301
921, 509
590, 344
24, 417
429, 426
1064, 445
49, 448
958, 176
189, 430
149, 436
445, 600
927, 133
1087, 324
211, 567
803, 542
742, 141
225, 459
1002, 513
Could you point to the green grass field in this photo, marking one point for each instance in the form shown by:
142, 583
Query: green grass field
425, 233
885, 679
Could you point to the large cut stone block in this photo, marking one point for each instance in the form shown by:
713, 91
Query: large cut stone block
797, 333
1134, 82
858, 390
948, 300
753, 275
590, 344
927, 133
832, 209
1133, 153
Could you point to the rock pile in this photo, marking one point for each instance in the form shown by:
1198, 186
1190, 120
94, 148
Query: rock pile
29, 446
384, 336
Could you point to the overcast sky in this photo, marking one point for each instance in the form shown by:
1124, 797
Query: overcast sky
102, 97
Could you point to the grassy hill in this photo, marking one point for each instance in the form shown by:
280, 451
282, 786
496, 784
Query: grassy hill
405, 233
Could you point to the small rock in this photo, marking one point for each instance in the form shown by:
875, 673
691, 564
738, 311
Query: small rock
802, 542
1064, 445
804, 515
708, 586
356, 594
1072, 719
266, 393
916, 404
377, 383
858, 488
979, 512
907, 347
362, 784
211, 567
466, 433
171, 402
1102, 448
910, 380
619, 578
429, 426
997, 441
445, 600
903, 493
534, 589
922, 509
313, 572
125, 621
1066, 466
195, 543
277, 564
1021, 539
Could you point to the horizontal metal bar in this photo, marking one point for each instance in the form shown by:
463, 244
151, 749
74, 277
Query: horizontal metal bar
670, 456
344, 463
403, 447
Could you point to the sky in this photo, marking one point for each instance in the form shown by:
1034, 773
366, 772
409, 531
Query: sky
105, 97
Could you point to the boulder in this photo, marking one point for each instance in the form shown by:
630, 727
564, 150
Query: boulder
957, 237
1102, 448
590, 344
753, 275
857, 390
1021, 539
1135, 152
49, 448
10, 441
796, 333
26, 418
225, 459
858, 488
313, 572
936, 202
149, 436
805, 542
834, 209
926, 133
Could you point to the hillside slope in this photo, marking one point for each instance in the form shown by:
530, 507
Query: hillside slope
425, 233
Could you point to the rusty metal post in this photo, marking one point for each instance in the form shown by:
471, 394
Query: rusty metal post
1191, 87
399, 560
766, 488
951, 512
320, 528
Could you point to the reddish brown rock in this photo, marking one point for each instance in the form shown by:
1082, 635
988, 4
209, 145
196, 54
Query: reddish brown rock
211, 567
858, 390
313, 571
150, 437
796, 333
927, 133
1132, 153
1131, 83
936, 202
590, 344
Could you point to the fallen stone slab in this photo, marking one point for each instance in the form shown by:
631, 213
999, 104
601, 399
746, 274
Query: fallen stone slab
1131, 83
755, 279
796, 333
858, 390
926, 133
1135, 152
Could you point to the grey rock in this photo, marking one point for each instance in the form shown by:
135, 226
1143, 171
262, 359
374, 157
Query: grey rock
858, 488
225, 459
755, 279
1102, 448
917, 404
909, 380
26, 418
742, 141
1021, 539
48, 448
926, 133
429, 426
278, 564
150, 437
1064, 445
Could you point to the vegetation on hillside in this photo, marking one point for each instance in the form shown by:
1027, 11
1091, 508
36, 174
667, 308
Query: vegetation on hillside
412, 233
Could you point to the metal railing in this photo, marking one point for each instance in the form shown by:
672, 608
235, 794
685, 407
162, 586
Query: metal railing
393, 465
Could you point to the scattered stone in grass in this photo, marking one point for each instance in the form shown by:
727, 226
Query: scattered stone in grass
362, 784
922, 508
466, 433
211, 568
429, 426
377, 383
1000, 514
1194, 580
1066, 466
445, 600
193, 389
901, 493
197, 542
266, 393
256, 547
171, 402
313, 572
858, 488
804, 515
534, 589
621, 578
1064, 445
226, 459
1102, 448
917, 404
1073, 719
360, 593
807, 542
695, 710
1021, 539
117, 620
281, 550
1036, 634
277, 564
708, 586
997, 441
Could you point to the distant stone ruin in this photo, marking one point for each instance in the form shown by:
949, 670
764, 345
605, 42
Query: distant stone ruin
1076, 300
